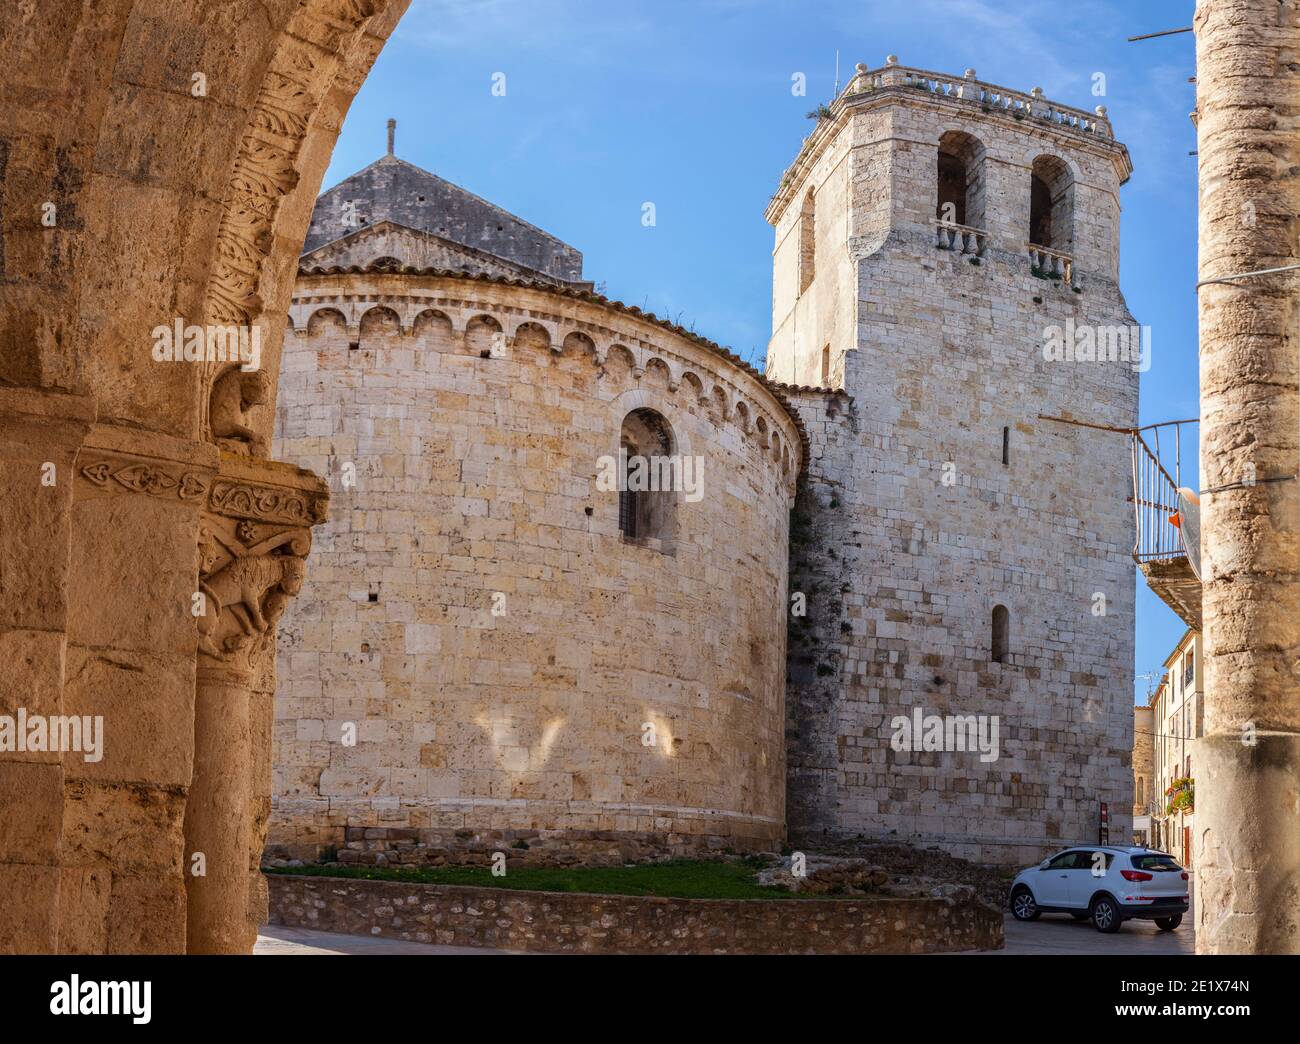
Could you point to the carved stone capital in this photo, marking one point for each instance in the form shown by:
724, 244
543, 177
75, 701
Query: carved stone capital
254, 538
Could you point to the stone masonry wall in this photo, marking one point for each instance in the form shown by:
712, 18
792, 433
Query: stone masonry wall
552, 922
460, 422
933, 530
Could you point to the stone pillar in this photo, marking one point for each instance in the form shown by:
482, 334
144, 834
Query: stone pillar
40, 436
254, 538
216, 816
1248, 787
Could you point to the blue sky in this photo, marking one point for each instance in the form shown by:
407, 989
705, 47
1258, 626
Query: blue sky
688, 105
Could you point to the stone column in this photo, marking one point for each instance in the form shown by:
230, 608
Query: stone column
254, 539
40, 436
1247, 766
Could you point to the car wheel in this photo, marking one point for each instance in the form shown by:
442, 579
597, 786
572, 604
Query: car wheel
1023, 907
1105, 915
1168, 924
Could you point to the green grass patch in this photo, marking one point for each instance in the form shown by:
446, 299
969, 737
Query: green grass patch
680, 879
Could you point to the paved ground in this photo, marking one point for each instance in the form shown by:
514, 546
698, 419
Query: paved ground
276, 939
1059, 933
1051, 933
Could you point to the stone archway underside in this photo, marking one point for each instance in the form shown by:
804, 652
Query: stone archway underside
158, 162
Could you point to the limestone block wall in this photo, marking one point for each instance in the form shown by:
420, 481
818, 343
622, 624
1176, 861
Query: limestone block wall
871, 167
1146, 783
472, 606
931, 525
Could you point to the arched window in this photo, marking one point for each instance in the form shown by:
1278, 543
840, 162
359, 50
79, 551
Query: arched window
1141, 791
1051, 205
1001, 633
648, 479
961, 180
807, 241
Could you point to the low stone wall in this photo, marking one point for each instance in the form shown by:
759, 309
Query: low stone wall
555, 922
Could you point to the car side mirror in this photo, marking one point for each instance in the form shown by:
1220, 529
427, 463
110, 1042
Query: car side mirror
1043, 864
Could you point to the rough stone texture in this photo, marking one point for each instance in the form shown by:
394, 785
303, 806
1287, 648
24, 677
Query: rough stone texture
169, 202
552, 922
1248, 832
932, 357
1146, 781
469, 417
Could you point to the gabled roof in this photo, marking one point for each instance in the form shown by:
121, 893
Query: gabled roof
390, 189
386, 242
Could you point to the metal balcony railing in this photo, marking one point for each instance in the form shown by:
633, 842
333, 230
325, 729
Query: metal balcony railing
1155, 493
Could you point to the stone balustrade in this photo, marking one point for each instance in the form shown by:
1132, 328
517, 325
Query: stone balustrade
1051, 263
962, 238
986, 95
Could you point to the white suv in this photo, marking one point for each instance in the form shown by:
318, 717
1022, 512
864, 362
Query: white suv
1109, 885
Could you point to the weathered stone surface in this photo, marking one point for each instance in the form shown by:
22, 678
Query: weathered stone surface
105, 236
30, 893
913, 524
473, 609
1248, 113
552, 922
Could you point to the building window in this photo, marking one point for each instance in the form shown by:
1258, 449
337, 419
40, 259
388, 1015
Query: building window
1141, 791
646, 501
826, 366
807, 241
1051, 205
1189, 670
961, 180
1001, 633
1006, 446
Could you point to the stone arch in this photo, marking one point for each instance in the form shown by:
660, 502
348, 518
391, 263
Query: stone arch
1000, 639
692, 383
637, 398
378, 323
646, 516
531, 335
741, 413
658, 373
577, 341
960, 184
1051, 204
432, 323
620, 360
484, 336
233, 205
760, 431
325, 318
808, 240
720, 403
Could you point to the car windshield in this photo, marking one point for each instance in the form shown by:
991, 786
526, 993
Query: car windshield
1156, 861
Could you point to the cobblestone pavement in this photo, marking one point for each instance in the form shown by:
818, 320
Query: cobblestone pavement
1051, 933
1059, 933
276, 939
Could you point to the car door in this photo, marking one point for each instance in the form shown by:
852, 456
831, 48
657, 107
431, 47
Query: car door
1052, 881
1086, 877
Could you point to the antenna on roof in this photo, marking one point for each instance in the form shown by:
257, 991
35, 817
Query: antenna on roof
836, 93
392, 133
